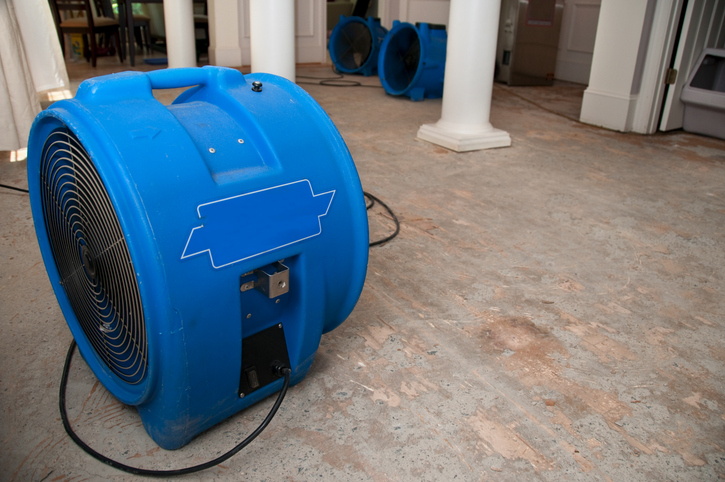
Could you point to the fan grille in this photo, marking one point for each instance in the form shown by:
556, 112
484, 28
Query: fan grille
402, 58
92, 257
354, 45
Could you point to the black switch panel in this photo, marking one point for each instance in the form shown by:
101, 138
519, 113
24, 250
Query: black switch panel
252, 378
260, 352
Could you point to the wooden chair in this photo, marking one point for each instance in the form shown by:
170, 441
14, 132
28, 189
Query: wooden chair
142, 31
141, 24
84, 23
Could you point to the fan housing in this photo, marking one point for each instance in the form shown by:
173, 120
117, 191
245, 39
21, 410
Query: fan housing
355, 45
193, 246
412, 60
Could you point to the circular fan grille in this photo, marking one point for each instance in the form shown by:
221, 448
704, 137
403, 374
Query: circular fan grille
92, 257
354, 44
402, 57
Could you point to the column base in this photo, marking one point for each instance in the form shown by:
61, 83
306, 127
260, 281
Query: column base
464, 141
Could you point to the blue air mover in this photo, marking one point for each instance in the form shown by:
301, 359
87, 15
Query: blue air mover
193, 247
355, 44
413, 59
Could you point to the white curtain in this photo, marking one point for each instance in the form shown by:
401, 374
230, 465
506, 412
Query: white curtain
31, 61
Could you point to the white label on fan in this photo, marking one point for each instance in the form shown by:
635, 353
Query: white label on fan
245, 226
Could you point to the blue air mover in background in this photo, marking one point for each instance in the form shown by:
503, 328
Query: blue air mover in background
413, 59
193, 246
355, 45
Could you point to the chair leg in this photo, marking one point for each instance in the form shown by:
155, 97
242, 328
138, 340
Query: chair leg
93, 48
86, 53
117, 36
137, 36
147, 38
141, 39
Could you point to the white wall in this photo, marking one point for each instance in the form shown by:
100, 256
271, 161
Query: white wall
412, 11
576, 41
229, 32
311, 30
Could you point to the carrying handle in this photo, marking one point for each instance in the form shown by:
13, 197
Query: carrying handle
139, 84
176, 78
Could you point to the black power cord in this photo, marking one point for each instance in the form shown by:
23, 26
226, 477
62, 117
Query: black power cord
338, 80
13, 188
163, 473
374, 200
279, 371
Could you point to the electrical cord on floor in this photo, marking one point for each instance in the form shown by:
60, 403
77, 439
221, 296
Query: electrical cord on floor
536, 104
5, 186
163, 473
372, 203
374, 200
338, 80
280, 371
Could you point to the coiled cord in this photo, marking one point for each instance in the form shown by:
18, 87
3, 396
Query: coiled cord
162, 473
374, 200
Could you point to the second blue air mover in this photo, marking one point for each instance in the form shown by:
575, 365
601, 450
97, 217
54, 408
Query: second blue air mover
193, 247
355, 45
413, 59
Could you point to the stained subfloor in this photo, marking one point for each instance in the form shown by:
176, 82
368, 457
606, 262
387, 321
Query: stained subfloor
549, 311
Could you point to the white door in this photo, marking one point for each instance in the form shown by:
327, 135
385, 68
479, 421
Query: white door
310, 31
576, 41
412, 11
702, 27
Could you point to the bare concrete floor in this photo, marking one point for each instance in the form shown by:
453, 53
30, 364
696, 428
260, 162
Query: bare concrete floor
549, 311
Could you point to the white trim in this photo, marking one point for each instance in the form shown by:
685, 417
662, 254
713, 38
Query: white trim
607, 109
702, 28
631, 55
659, 50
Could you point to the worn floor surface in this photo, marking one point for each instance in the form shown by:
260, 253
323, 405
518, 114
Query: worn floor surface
549, 311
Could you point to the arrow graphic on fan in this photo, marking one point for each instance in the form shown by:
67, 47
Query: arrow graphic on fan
245, 226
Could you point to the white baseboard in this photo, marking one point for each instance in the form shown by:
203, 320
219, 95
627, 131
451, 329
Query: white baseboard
606, 109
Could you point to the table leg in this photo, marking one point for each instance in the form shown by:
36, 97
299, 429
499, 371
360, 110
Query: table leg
131, 45
122, 28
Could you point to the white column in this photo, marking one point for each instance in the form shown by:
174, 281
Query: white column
180, 38
272, 36
610, 98
470, 60
224, 48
